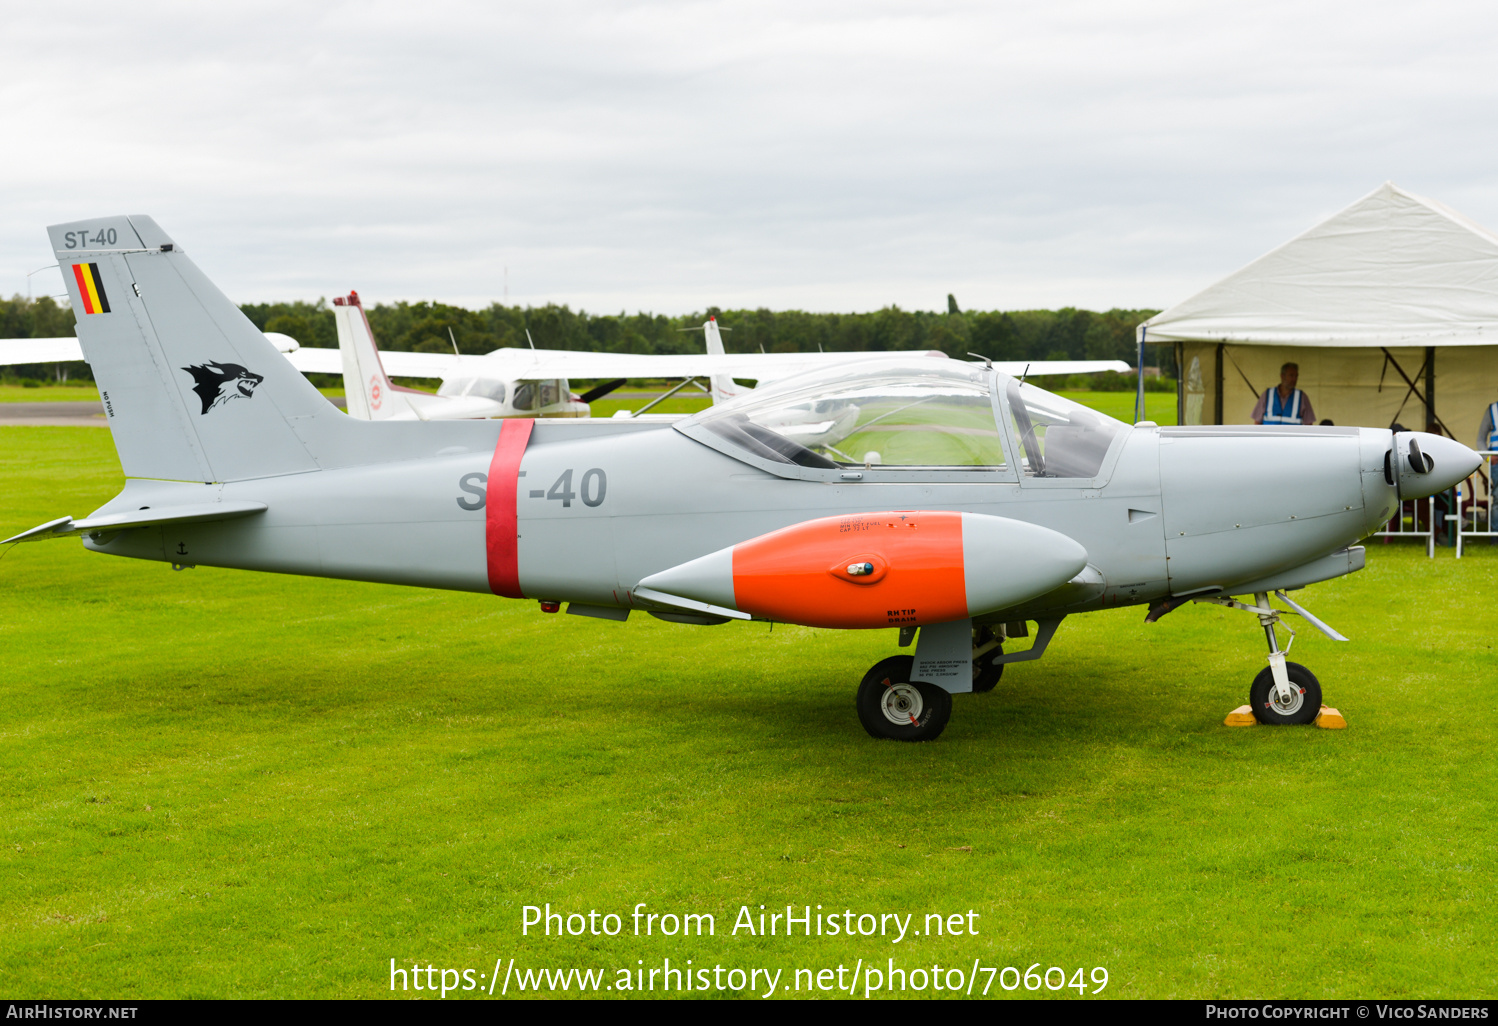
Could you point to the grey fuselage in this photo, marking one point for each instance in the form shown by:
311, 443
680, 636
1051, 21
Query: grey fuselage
603, 504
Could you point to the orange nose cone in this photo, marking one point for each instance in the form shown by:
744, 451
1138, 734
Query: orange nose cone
868, 570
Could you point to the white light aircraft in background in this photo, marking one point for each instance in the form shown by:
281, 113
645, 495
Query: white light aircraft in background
515, 382
372, 396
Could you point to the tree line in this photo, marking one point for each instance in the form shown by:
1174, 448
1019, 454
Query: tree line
1065, 334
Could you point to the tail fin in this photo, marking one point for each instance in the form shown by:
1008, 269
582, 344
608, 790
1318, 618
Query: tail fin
368, 389
724, 387
192, 390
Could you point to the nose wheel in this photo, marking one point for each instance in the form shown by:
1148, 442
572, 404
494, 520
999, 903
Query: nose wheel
892, 706
1296, 704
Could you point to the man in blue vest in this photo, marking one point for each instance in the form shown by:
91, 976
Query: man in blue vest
1487, 432
1487, 438
1285, 404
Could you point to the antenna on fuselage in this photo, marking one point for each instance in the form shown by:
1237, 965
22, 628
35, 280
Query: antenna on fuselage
1022, 376
455, 343
987, 363
530, 340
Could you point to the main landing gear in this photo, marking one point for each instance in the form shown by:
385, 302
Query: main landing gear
1283, 693
893, 706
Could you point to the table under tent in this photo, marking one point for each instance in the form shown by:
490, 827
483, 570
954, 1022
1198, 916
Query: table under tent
1390, 309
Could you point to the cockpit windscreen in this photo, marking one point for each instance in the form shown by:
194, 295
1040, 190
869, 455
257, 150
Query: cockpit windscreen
1057, 437
914, 413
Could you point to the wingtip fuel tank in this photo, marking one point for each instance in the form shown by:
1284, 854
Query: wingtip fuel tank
902, 568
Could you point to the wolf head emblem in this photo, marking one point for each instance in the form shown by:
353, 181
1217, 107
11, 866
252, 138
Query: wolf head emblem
217, 383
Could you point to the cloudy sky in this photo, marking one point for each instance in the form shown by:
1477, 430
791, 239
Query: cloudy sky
668, 156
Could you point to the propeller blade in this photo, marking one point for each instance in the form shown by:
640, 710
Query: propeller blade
1419, 462
599, 391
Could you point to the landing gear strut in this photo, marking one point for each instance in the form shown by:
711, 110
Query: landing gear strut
987, 646
1283, 693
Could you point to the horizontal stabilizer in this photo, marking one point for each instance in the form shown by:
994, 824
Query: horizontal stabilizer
677, 602
147, 517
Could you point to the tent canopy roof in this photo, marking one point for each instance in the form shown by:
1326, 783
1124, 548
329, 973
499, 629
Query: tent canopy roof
1393, 269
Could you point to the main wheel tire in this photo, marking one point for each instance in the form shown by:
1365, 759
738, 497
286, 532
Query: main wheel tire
891, 705
986, 675
1302, 709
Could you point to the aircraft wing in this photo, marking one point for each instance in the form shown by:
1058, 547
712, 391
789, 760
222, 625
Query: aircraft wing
1040, 368
536, 364
521, 364
539, 364
397, 364
39, 350
67, 350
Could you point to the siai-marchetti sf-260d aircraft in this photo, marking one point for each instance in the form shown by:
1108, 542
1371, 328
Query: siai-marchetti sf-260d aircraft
917, 494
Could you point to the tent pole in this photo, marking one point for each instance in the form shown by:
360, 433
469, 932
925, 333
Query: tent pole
1217, 387
1139, 396
1414, 390
1431, 423
1180, 383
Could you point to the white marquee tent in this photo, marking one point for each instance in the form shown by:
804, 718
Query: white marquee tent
1389, 307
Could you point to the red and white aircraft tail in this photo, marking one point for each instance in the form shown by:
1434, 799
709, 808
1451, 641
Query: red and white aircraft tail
369, 391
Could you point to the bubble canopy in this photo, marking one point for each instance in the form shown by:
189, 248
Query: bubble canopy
908, 414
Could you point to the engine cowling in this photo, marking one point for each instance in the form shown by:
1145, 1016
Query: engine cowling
895, 569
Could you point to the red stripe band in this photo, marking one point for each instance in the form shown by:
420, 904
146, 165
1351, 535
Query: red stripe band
501, 515
88, 307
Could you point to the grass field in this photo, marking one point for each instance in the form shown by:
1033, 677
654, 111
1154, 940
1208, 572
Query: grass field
52, 392
222, 784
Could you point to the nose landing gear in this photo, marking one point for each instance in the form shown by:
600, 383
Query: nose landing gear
1283, 693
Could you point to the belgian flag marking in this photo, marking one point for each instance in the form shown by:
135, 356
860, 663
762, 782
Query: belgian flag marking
91, 287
